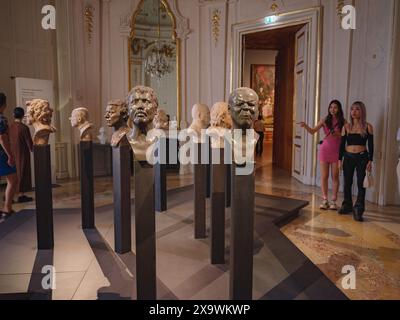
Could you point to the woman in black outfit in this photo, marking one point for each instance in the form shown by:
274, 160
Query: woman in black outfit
356, 153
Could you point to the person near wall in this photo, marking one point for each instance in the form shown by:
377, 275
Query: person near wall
259, 128
7, 163
356, 154
21, 147
329, 151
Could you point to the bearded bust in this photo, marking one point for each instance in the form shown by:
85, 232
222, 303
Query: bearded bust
142, 107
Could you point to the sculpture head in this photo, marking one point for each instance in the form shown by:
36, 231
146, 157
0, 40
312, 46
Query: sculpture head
79, 116
142, 105
220, 116
243, 107
39, 112
116, 113
161, 120
201, 115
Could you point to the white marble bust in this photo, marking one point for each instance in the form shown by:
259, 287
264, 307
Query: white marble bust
220, 123
201, 121
39, 115
116, 117
243, 107
80, 119
142, 107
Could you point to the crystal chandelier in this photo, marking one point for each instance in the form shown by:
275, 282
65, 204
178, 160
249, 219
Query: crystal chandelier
157, 64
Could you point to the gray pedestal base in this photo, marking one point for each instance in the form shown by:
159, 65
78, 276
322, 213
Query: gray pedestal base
44, 198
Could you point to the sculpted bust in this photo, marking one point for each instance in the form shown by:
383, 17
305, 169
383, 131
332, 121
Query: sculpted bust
116, 117
161, 120
201, 121
220, 123
80, 119
243, 107
39, 115
142, 107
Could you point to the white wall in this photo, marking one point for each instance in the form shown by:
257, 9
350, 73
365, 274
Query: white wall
26, 50
256, 57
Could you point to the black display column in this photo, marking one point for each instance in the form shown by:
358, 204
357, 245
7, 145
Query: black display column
218, 173
44, 197
161, 176
122, 197
87, 187
145, 229
200, 189
242, 229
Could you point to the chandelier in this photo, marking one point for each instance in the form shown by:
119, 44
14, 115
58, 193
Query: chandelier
157, 63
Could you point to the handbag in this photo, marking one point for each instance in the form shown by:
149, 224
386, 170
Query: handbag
368, 181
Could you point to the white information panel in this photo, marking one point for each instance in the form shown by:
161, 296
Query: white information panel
28, 89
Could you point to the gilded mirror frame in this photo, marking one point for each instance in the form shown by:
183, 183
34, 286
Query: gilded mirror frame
178, 54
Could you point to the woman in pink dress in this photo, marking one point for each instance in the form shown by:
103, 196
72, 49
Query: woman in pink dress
329, 151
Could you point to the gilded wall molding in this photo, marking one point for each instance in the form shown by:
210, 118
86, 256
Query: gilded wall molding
89, 21
215, 25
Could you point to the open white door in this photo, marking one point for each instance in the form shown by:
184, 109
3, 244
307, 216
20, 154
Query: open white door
300, 103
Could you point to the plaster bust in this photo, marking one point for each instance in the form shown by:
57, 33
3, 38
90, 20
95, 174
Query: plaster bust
80, 119
39, 115
161, 120
201, 121
142, 107
243, 107
220, 123
116, 117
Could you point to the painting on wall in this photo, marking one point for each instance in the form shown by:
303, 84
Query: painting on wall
262, 81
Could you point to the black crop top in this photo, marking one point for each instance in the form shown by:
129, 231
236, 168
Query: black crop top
356, 139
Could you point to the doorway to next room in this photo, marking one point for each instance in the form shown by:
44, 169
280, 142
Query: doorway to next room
269, 68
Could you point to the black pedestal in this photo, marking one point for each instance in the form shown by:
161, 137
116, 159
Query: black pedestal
228, 185
87, 188
160, 187
122, 197
145, 225
200, 189
242, 229
208, 190
44, 197
218, 173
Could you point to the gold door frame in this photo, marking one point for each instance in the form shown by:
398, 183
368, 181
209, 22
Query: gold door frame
178, 54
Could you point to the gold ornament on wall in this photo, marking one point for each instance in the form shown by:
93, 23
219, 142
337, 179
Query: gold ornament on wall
340, 5
274, 6
89, 24
215, 21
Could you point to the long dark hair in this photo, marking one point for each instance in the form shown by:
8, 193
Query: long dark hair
339, 116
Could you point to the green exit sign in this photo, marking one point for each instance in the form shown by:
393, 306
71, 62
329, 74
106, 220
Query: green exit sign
270, 19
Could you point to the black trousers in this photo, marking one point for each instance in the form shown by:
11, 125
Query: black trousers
354, 162
260, 144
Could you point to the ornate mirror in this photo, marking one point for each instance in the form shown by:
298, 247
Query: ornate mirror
154, 54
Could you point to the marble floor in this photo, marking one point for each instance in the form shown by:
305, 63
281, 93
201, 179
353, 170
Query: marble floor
330, 241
